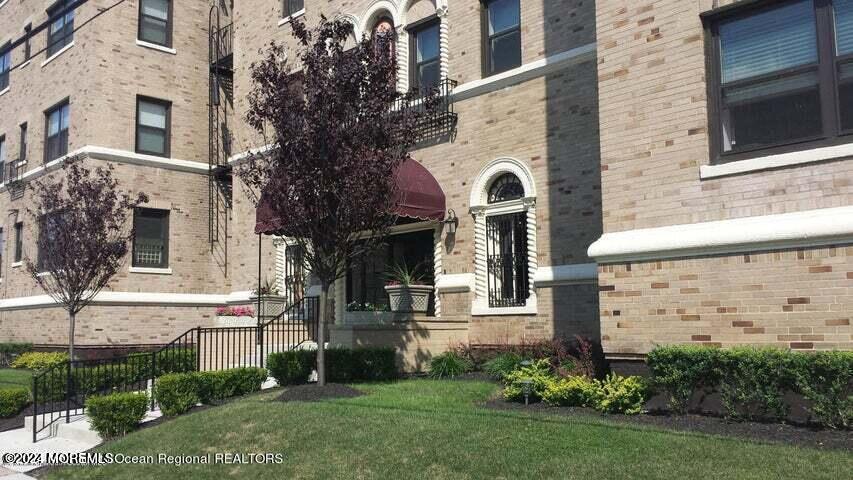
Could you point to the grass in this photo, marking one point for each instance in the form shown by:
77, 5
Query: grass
11, 377
435, 429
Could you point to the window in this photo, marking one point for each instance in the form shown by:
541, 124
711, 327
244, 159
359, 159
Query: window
294, 274
2, 158
2, 250
22, 154
365, 281
152, 126
506, 247
501, 36
28, 48
778, 78
19, 242
56, 141
292, 7
425, 53
155, 22
385, 37
60, 33
49, 227
5, 65
151, 238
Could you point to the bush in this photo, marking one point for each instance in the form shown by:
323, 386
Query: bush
241, 381
618, 394
540, 375
680, 370
578, 391
448, 365
500, 366
40, 360
210, 387
10, 351
177, 393
116, 414
754, 381
291, 368
343, 365
13, 400
825, 379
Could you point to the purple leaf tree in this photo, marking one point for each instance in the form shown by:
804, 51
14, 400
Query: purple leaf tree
83, 235
338, 130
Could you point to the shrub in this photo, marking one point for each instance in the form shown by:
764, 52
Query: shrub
578, 391
210, 387
241, 381
753, 382
40, 360
374, 363
291, 368
825, 379
500, 366
448, 365
116, 414
176, 393
539, 373
10, 351
618, 394
680, 370
13, 400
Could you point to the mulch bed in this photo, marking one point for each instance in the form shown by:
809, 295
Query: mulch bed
315, 393
761, 432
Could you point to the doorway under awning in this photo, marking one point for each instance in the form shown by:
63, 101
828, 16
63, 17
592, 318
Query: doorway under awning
419, 196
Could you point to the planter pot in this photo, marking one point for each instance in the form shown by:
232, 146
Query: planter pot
409, 298
271, 305
233, 321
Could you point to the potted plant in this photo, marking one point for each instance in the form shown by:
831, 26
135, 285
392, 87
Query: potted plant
406, 289
272, 302
235, 316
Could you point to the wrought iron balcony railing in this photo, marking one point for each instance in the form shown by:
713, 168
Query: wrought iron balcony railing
435, 122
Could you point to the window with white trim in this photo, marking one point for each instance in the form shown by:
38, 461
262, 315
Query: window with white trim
291, 7
60, 33
155, 22
5, 65
56, 139
151, 238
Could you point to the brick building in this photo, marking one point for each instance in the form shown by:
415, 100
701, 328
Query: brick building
587, 156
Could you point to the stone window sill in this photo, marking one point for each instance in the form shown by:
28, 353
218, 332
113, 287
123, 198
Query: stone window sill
17, 264
57, 54
151, 271
4, 91
768, 162
154, 46
286, 20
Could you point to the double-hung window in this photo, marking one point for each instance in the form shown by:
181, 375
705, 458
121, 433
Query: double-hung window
50, 227
151, 238
425, 57
2, 158
501, 36
152, 126
19, 242
155, 22
781, 77
5, 65
60, 33
290, 8
22, 154
56, 138
28, 47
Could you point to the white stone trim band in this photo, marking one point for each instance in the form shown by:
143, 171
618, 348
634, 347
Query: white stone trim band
454, 283
810, 228
118, 156
776, 161
574, 274
123, 298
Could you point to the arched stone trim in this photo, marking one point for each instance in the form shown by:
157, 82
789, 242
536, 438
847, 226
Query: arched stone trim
492, 171
376, 10
354, 21
440, 9
480, 209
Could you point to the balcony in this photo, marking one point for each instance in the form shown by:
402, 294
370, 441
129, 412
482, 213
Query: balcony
435, 125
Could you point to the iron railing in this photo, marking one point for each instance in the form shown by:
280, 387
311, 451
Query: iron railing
435, 121
506, 260
60, 392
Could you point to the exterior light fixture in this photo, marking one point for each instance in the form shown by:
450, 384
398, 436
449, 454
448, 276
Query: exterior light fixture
526, 388
452, 221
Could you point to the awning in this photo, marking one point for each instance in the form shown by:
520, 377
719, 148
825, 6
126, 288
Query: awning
419, 196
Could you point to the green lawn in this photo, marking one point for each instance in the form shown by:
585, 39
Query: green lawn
11, 377
434, 429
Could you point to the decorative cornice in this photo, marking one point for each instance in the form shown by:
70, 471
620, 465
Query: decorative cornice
454, 283
810, 228
573, 274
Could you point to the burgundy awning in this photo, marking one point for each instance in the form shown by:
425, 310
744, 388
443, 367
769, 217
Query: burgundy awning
419, 196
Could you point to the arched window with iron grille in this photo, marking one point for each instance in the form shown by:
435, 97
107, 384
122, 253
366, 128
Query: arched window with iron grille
506, 246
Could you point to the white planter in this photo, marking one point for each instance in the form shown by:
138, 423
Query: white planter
271, 305
411, 298
232, 321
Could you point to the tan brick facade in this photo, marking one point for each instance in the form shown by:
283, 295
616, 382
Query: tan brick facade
654, 141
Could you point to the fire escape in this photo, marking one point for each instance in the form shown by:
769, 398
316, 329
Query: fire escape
220, 108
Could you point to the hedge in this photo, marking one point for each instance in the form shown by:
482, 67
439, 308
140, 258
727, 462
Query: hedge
10, 351
40, 360
116, 414
13, 400
178, 392
752, 381
343, 365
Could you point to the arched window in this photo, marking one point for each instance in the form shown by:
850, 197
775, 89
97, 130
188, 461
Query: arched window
503, 204
385, 36
504, 188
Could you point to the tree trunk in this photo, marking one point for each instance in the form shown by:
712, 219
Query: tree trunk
71, 320
321, 334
